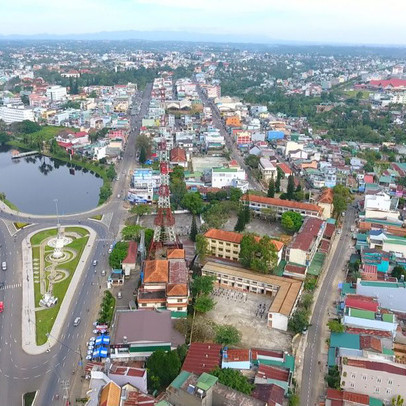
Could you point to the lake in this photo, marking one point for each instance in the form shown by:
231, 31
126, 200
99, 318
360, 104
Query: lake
33, 183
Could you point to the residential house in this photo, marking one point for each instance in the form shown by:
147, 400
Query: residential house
178, 157
336, 397
325, 201
110, 395
129, 263
225, 176
202, 357
267, 169
236, 359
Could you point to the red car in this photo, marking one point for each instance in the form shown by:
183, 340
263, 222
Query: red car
1, 307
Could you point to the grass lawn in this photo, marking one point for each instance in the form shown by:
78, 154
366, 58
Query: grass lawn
11, 205
20, 225
29, 398
353, 93
97, 217
45, 318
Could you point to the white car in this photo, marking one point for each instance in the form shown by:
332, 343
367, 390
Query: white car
92, 339
89, 357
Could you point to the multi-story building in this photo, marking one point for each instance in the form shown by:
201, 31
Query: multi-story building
224, 177
143, 184
164, 284
284, 291
226, 244
11, 114
56, 93
383, 380
267, 169
279, 206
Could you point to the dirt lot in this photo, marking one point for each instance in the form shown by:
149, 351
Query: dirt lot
256, 225
243, 312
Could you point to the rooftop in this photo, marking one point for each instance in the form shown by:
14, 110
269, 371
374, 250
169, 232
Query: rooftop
156, 271
202, 357
304, 239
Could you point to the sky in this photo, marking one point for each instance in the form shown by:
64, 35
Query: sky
323, 21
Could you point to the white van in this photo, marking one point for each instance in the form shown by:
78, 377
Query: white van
4, 266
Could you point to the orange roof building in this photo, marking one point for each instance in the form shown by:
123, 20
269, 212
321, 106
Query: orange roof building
156, 271
256, 203
110, 395
226, 244
233, 121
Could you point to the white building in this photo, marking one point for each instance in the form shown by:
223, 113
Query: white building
380, 201
56, 93
267, 169
221, 177
15, 114
292, 146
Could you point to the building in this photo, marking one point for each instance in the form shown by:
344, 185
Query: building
129, 263
336, 397
11, 114
137, 334
110, 395
379, 201
224, 177
285, 291
236, 358
382, 380
279, 206
226, 244
325, 201
267, 169
178, 157
202, 357
165, 285
189, 389
142, 188
56, 93
304, 244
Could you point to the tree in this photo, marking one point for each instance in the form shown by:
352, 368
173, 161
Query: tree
193, 202
4, 138
258, 254
118, 254
193, 229
235, 194
299, 321
111, 172
335, 326
131, 232
201, 247
163, 367
141, 209
202, 285
28, 127
203, 304
291, 221
271, 188
240, 225
333, 377
291, 187
278, 184
341, 198
104, 193
368, 167
227, 335
398, 271
233, 379
143, 141
143, 155
294, 399
252, 161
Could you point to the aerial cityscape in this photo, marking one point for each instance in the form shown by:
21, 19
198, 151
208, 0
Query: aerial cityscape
201, 215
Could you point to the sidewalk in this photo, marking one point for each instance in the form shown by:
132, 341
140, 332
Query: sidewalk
28, 306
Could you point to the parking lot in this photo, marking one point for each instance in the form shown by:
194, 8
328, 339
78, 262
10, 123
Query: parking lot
248, 313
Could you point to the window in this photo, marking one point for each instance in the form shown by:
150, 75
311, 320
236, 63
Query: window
352, 376
378, 380
388, 391
179, 300
377, 389
390, 382
180, 308
364, 377
228, 244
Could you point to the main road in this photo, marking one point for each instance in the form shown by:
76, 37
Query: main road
51, 373
315, 341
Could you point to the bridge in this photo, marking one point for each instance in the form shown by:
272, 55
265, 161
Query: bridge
24, 154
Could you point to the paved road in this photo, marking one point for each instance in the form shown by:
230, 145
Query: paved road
311, 370
48, 372
231, 146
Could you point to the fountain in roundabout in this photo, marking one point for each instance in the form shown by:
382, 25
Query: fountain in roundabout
58, 256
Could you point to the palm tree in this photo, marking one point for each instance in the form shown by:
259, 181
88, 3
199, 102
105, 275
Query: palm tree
397, 401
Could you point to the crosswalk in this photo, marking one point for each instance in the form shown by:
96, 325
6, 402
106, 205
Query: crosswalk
11, 286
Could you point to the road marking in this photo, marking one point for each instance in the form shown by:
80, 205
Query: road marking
12, 286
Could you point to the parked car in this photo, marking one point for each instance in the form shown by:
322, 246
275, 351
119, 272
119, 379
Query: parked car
1, 307
4, 266
89, 357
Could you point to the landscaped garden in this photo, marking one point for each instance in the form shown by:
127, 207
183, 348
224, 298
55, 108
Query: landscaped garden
53, 273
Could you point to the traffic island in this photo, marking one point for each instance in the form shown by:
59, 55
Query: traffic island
54, 260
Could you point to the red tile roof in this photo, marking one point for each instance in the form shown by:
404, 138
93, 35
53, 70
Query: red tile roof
270, 393
285, 168
202, 357
368, 179
357, 398
266, 353
329, 231
293, 268
176, 289
271, 372
326, 196
370, 343
127, 371
156, 271
178, 155
235, 355
283, 203
304, 239
376, 366
389, 82
178, 272
378, 333
176, 253
135, 398
131, 257
362, 302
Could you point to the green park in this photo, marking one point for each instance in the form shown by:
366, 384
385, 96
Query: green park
56, 254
